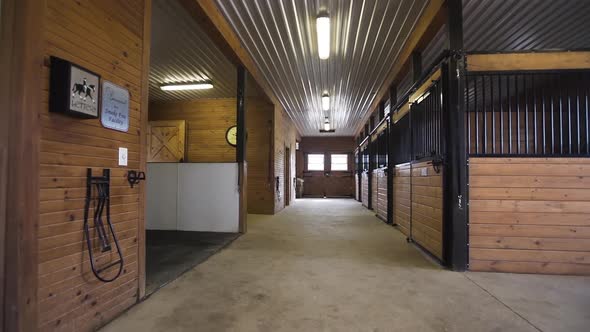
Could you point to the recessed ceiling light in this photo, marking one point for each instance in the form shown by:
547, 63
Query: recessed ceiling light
323, 30
186, 86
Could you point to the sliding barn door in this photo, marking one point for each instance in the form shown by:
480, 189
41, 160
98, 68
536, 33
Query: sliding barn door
166, 141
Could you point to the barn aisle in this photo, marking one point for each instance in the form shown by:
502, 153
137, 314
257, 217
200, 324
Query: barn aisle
329, 264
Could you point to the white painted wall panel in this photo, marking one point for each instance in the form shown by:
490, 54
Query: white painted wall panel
192, 197
162, 191
208, 198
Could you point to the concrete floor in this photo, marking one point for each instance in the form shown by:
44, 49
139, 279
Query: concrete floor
331, 265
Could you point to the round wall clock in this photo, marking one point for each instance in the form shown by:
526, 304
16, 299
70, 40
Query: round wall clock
231, 135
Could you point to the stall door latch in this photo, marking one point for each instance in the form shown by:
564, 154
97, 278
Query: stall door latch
460, 202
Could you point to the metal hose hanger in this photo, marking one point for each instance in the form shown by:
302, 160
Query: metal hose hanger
102, 200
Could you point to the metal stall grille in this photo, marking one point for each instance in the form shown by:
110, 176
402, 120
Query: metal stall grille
541, 113
426, 113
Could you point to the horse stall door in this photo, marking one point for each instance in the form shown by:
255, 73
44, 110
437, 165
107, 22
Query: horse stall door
166, 141
382, 194
402, 197
427, 212
365, 189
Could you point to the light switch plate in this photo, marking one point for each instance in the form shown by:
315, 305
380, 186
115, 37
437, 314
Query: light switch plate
122, 156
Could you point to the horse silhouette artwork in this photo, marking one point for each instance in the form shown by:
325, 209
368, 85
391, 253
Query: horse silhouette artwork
84, 90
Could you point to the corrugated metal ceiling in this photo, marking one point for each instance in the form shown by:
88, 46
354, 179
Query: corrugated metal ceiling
366, 38
182, 51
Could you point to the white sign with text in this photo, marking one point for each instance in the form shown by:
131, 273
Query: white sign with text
115, 107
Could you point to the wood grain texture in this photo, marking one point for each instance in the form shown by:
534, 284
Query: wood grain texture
402, 198
530, 215
70, 298
427, 213
380, 207
365, 189
21, 58
528, 61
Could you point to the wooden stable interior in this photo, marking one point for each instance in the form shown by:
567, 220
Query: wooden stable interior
527, 190
522, 212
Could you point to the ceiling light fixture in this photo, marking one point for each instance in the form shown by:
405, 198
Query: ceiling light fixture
186, 86
323, 30
325, 102
327, 124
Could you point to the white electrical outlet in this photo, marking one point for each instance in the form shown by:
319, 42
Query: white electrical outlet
122, 156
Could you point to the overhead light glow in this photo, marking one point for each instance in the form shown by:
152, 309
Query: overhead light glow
323, 29
186, 86
327, 124
325, 103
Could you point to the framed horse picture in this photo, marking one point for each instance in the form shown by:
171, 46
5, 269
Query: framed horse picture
73, 90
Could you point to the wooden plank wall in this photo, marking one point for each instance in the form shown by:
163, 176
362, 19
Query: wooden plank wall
207, 123
207, 120
402, 197
365, 189
107, 38
381, 209
530, 215
285, 135
427, 213
357, 189
374, 194
379, 193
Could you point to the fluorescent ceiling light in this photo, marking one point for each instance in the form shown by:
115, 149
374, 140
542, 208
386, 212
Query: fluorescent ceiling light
325, 103
186, 86
327, 124
323, 30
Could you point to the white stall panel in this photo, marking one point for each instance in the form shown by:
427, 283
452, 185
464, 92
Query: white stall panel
208, 198
162, 191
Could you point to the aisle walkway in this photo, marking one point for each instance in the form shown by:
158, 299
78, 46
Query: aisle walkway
330, 265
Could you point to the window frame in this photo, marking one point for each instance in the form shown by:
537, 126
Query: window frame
347, 164
307, 162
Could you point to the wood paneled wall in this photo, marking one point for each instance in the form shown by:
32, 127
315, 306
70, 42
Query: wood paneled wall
357, 189
285, 135
402, 197
381, 178
374, 191
365, 189
107, 38
529, 215
207, 122
427, 213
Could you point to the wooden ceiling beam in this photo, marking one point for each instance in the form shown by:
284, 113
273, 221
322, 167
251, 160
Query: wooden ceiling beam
432, 19
211, 19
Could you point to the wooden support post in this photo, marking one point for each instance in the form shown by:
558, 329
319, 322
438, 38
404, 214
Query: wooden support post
455, 248
21, 62
241, 147
145, 67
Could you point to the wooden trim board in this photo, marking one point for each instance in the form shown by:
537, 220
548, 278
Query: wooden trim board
528, 61
145, 69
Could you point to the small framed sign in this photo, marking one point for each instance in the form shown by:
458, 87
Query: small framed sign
114, 107
73, 90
